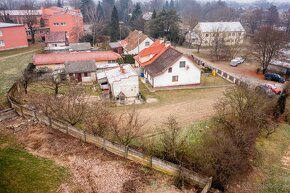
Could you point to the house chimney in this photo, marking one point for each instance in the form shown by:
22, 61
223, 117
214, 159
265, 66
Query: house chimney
167, 44
122, 70
161, 40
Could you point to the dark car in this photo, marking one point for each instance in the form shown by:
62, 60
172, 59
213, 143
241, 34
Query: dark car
265, 90
274, 77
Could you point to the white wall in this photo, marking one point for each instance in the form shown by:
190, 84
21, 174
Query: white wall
186, 76
90, 78
141, 47
129, 86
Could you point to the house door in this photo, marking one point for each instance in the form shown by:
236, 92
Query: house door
79, 77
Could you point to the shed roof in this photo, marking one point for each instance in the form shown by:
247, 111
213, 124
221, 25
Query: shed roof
55, 37
116, 74
3, 25
115, 45
61, 58
163, 62
221, 26
80, 67
80, 46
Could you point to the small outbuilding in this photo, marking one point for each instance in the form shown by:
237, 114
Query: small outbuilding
122, 82
81, 71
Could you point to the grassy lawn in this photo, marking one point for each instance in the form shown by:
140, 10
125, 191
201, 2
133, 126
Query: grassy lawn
19, 50
271, 151
11, 69
22, 172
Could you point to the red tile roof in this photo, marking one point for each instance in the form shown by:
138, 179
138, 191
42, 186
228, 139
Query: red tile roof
55, 37
131, 42
61, 58
157, 49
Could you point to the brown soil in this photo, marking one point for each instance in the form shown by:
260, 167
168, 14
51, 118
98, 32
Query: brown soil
92, 169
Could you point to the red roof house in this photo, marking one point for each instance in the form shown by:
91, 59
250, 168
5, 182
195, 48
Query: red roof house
12, 36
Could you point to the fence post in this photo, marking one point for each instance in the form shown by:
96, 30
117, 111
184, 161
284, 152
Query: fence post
104, 143
150, 163
85, 136
67, 128
50, 123
126, 151
21, 110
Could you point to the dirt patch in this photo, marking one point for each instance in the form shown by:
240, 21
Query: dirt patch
92, 169
286, 161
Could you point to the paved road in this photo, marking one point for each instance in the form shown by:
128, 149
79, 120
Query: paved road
245, 72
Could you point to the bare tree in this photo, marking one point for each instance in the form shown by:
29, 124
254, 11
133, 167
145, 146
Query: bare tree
268, 43
71, 107
127, 127
286, 20
54, 83
99, 120
174, 141
253, 19
218, 48
30, 16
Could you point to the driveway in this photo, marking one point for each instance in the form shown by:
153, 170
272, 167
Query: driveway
245, 71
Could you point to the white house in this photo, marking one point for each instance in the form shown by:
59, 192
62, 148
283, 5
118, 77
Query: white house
123, 82
135, 42
205, 32
171, 69
56, 41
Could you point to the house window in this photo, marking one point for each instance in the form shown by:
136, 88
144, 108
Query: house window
182, 64
206, 35
1, 34
169, 70
63, 23
233, 34
174, 78
147, 43
56, 24
111, 61
86, 74
2, 43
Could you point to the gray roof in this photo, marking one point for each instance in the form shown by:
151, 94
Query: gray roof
9, 24
115, 45
80, 67
163, 62
55, 37
80, 46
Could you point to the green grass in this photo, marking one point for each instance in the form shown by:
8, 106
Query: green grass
6, 53
271, 151
210, 80
22, 172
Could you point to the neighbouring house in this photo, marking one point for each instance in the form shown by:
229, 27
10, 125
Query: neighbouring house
49, 19
171, 68
147, 16
205, 32
123, 82
81, 71
56, 41
116, 47
148, 55
12, 36
135, 42
54, 61
60, 19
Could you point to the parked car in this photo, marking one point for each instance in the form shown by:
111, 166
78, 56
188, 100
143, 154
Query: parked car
274, 88
265, 90
274, 77
236, 61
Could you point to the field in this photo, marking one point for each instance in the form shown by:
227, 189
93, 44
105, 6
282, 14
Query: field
186, 105
23, 172
90, 169
11, 67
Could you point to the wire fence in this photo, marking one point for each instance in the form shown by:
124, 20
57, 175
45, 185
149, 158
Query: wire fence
166, 167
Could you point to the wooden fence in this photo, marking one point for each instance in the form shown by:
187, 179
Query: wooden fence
169, 168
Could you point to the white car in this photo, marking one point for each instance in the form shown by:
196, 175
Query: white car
235, 62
